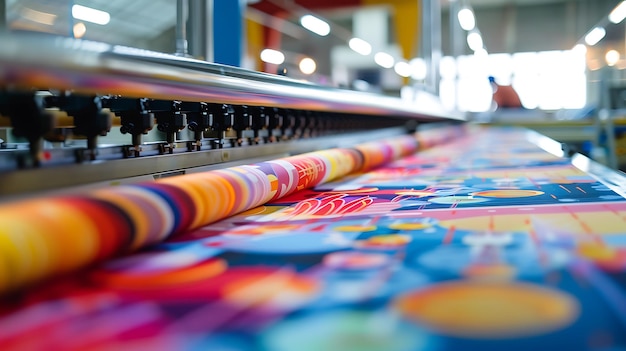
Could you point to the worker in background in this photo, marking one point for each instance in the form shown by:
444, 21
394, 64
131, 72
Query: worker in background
504, 96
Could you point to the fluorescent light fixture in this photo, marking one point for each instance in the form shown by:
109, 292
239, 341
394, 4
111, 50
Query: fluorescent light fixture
596, 34
618, 14
88, 14
466, 19
418, 68
474, 41
38, 16
612, 57
361, 46
403, 69
315, 25
272, 56
307, 65
384, 60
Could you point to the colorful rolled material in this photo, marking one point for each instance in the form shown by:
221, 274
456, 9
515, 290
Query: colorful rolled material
49, 236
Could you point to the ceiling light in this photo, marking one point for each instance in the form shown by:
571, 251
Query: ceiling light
384, 60
419, 69
593, 37
315, 25
612, 57
272, 56
403, 69
474, 41
360, 46
88, 14
618, 14
466, 19
79, 30
307, 65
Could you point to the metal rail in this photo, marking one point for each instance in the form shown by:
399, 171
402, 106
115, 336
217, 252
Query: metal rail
30, 60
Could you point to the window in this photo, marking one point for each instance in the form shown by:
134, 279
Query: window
547, 80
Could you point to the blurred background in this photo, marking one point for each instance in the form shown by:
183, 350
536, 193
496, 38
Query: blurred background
564, 58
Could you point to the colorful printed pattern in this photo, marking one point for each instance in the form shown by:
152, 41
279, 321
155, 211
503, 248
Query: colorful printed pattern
485, 242
49, 236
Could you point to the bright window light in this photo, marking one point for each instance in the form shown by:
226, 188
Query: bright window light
361, 46
500, 66
466, 19
418, 68
575, 60
475, 41
481, 52
272, 56
447, 93
403, 69
580, 48
307, 65
88, 14
315, 25
618, 14
474, 96
546, 80
593, 37
447, 67
384, 60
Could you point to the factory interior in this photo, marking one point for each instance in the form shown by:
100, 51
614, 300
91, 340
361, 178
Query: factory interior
540, 48
282, 175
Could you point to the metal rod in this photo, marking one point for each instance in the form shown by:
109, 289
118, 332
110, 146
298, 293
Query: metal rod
210, 31
182, 12
431, 43
90, 67
457, 40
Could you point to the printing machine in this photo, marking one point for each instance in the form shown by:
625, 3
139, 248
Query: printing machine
76, 112
483, 241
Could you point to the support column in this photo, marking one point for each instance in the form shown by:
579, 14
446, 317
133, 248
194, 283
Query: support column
215, 31
200, 30
509, 22
431, 42
182, 14
457, 35
228, 31
457, 43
